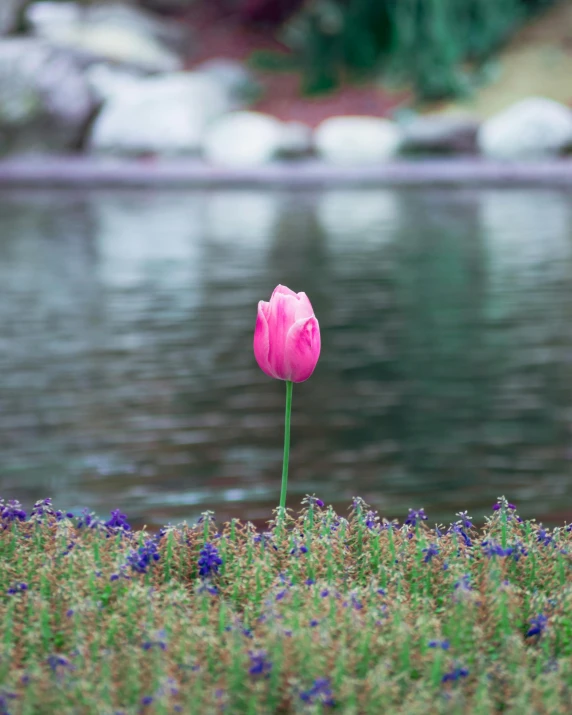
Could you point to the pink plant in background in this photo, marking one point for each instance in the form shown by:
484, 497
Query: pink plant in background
287, 347
287, 336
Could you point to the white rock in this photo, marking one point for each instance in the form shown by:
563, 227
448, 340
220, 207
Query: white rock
357, 140
9, 12
45, 101
240, 84
107, 81
243, 139
531, 129
116, 34
158, 115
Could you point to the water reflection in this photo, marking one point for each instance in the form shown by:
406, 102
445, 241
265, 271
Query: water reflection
128, 377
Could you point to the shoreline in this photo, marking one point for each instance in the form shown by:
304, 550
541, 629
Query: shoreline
88, 172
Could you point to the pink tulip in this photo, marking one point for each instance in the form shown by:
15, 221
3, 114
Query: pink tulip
287, 336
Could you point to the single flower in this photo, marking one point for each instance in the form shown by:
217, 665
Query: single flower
287, 336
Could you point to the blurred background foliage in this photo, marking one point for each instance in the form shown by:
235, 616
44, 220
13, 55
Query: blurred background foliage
437, 46
429, 43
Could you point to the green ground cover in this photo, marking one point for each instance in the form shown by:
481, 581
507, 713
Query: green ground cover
320, 613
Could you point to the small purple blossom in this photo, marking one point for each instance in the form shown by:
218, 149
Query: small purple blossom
140, 559
265, 539
209, 560
297, 549
12, 511
117, 522
445, 645
463, 584
458, 529
371, 520
430, 551
17, 588
259, 663
455, 674
415, 516
543, 537
537, 625
58, 663
42, 508
465, 520
87, 520
320, 692
492, 548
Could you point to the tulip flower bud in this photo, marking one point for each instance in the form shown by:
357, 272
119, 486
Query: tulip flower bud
287, 336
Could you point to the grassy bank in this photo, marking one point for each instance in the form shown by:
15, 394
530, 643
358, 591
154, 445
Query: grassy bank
323, 613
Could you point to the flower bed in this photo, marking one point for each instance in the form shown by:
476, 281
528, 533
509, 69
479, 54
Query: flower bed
320, 612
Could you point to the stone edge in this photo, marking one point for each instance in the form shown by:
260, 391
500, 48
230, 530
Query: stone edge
85, 172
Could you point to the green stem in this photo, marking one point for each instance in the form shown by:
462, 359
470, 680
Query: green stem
289, 386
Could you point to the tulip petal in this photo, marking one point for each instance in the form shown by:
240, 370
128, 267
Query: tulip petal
284, 290
303, 307
302, 349
281, 317
261, 339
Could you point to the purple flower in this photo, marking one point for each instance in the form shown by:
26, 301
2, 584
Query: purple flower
259, 663
143, 557
17, 588
519, 550
538, 625
430, 552
117, 522
87, 520
439, 644
324, 593
465, 520
314, 623
414, 517
371, 520
458, 529
320, 692
498, 506
463, 584
147, 700
265, 539
313, 501
455, 674
491, 548
159, 641
42, 508
12, 511
543, 537
58, 662
298, 549
209, 560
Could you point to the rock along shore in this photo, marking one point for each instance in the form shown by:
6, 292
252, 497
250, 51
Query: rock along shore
90, 172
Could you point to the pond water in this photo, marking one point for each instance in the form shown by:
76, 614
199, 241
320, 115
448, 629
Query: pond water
127, 377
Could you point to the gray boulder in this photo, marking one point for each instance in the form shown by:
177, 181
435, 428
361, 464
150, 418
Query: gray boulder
114, 32
297, 140
534, 128
164, 115
9, 13
441, 134
45, 101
